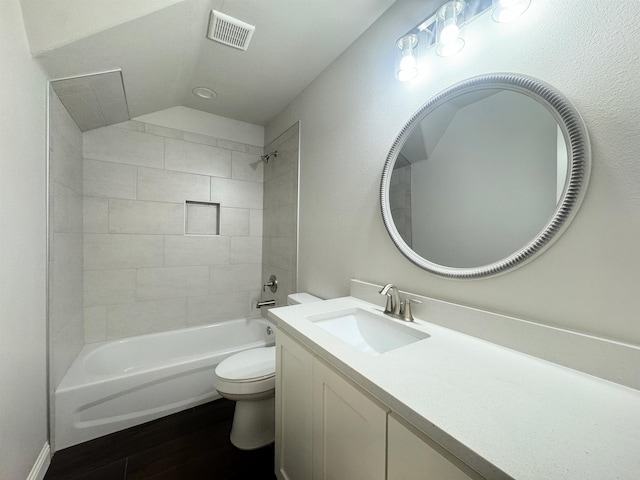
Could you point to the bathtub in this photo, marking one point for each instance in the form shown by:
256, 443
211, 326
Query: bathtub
117, 384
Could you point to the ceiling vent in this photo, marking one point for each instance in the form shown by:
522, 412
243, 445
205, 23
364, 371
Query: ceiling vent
229, 30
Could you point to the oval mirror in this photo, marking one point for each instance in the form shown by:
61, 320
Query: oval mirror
485, 176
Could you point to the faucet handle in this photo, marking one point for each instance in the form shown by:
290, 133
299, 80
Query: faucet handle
407, 315
389, 306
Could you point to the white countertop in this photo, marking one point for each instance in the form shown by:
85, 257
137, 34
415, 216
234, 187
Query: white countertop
504, 413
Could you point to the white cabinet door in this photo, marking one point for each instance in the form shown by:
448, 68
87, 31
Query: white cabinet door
411, 456
294, 410
349, 430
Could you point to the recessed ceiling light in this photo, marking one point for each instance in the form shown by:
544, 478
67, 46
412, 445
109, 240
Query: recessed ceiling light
204, 92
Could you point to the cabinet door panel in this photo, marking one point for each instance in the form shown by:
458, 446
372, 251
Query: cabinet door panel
349, 430
294, 410
411, 457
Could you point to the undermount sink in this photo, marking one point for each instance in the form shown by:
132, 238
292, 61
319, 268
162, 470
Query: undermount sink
367, 331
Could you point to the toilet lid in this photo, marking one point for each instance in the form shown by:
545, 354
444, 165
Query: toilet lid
248, 365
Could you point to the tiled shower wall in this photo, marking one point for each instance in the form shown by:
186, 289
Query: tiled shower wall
142, 274
65, 241
279, 245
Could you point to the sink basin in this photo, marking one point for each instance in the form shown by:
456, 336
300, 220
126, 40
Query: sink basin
367, 331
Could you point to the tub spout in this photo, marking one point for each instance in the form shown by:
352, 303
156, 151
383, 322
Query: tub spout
266, 303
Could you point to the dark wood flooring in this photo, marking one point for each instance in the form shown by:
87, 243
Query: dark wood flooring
190, 445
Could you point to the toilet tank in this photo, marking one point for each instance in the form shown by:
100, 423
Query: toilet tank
297, 298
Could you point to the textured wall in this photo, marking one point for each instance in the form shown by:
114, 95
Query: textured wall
23, 396
350, 115
142, 274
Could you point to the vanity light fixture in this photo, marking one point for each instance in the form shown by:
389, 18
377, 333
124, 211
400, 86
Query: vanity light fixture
407, 67
449, 21
443, 31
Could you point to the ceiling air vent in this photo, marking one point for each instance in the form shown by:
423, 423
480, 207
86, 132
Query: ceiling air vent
229, 30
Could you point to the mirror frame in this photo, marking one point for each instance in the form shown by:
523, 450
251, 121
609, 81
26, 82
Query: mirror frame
578, 171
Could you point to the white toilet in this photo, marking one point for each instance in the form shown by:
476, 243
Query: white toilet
249, 378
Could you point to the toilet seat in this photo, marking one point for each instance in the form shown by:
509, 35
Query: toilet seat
248, 372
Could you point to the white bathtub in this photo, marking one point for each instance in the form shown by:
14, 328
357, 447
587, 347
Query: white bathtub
118, 384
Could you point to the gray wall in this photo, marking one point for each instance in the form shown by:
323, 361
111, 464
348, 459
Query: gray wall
588, 280
23, 396
142, 274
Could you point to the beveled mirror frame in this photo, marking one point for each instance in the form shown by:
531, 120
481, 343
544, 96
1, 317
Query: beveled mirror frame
578, 170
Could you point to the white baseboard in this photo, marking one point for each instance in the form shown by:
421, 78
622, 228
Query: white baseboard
42, 464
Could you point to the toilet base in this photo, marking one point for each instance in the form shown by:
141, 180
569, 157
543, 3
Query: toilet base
253, 423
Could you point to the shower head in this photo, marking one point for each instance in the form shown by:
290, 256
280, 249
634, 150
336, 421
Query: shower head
265, 158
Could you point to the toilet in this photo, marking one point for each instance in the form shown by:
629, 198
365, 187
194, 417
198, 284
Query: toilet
249, 378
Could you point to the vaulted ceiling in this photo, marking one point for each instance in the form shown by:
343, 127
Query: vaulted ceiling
162, 49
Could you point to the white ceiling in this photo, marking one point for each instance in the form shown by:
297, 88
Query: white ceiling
165, 54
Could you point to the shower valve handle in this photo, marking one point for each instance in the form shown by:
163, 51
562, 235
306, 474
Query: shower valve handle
272, 284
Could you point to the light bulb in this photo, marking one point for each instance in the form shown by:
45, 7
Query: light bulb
449, 21
450, 32
507, 10
408, 65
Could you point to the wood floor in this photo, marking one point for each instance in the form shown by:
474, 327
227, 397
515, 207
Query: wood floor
190, 445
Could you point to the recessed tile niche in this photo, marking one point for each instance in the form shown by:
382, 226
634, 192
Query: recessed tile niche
201, 218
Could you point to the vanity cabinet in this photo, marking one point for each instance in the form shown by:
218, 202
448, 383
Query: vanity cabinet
349, 429
294, 410
328, 428
412, 456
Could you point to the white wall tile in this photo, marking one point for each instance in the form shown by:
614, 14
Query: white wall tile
217, 308
163, 131
66, 278
121, 145
131, 125
155, 283
234, 221
66, 161
104, 287
122, 251
279, 251
65, 347
236, 193
131, 216
67, 209
255, 150
138, 318
255, 223
235, 278
167, 186
197, 138
231, 145
95, 324
182, 250
280, 221
63, 127
105, 179
95, 215
197, 158
280, 190
247, 166
246, 250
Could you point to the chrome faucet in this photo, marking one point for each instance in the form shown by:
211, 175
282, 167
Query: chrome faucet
396, 307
